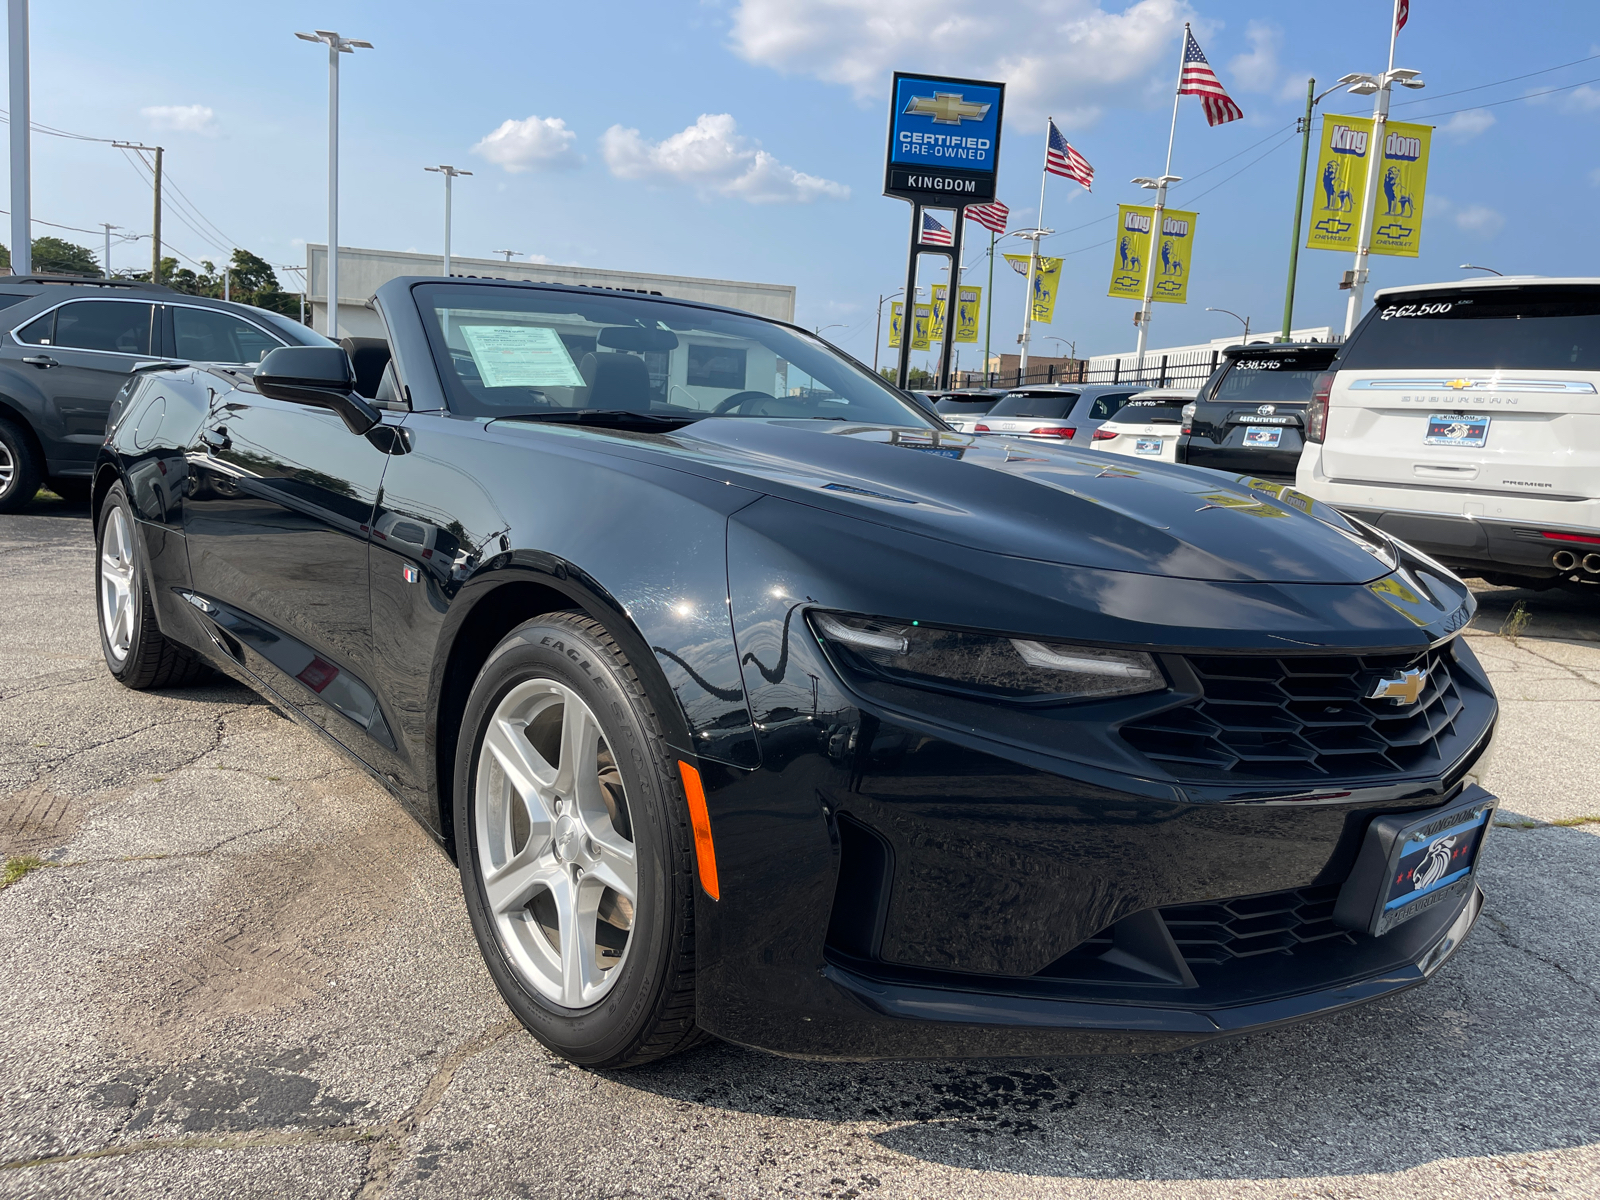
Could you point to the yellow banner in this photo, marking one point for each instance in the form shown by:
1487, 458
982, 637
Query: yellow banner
897, 320
921, 319
967, 310
969, 306
1342, 174
1045, 284
1134, 255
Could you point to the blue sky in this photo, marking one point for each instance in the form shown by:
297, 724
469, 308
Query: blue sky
744, 138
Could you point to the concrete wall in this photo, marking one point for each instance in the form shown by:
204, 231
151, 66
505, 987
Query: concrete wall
362, 272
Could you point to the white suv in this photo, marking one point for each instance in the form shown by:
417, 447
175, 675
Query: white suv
1464, 418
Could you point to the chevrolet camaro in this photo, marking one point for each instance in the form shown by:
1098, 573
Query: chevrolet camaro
754, 702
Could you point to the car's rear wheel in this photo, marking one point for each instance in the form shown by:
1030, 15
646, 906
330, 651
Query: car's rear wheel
137, 652
573, 840
19, 468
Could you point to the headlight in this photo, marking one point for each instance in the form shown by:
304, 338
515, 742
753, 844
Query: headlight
1000, 667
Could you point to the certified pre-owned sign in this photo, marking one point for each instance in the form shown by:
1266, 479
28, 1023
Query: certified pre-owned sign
944, 139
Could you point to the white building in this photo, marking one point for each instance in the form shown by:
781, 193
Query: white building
362, 272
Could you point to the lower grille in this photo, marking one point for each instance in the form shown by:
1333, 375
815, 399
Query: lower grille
1308, 719
1276, 923
1220, 931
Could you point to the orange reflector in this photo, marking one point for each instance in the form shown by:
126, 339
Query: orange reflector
705, 852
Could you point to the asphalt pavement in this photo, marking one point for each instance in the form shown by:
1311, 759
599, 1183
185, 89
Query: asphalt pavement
240, 970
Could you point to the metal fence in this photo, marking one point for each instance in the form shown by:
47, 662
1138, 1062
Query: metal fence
1181, 369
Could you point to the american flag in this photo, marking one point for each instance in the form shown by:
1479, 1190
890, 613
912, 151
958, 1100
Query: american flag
991, 216
933, 233
1198, 79
1402, 14
1062, 159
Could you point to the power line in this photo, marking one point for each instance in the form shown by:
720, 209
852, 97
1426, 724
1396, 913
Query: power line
1512, 100
1496, 83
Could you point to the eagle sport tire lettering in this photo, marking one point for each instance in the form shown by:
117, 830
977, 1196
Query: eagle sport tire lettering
573, 842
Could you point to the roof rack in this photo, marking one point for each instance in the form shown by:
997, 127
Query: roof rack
87, 280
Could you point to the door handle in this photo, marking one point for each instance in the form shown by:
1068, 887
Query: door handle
40, 360
216, 439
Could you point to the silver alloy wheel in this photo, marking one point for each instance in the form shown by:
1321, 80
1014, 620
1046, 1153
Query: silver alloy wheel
8, 467
555, 843
117, 583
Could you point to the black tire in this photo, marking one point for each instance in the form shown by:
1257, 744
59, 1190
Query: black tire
150, 658
74, 489
20, 469
648, 1013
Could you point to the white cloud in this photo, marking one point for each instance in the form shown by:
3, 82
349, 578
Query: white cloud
1583, 99
185, 118
1255, 71
1465, 126
1060, 56
715, 158
1479, 219
542, 143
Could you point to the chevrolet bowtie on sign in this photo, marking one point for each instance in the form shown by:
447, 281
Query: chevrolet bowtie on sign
944, 140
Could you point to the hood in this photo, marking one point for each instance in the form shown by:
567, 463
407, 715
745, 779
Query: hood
1029, 500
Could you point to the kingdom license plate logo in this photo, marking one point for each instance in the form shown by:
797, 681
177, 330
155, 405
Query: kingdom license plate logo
1457, 431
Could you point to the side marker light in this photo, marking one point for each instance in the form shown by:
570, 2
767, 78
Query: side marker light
705, 852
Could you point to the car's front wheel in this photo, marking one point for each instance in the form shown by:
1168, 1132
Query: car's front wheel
574, 845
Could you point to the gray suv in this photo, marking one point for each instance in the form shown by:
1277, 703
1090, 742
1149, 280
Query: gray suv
67, 346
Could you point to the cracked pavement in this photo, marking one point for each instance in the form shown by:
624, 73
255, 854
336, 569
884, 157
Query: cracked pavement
244, 972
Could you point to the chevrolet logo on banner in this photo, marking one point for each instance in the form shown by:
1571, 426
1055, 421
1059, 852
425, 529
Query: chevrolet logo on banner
947, 108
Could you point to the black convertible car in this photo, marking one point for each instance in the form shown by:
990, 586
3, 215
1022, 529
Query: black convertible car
754, 702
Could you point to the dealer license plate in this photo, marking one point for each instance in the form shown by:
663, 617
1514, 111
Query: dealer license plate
1263, 439
1147, 446
1447, 430
1430, 860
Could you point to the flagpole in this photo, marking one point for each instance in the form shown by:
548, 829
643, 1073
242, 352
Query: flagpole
1369, 190
988, 320
1160, 207
1033, 259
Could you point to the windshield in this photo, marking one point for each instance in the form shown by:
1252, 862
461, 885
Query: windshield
1035, 404
1482, 329
533, 352
965, 404
1280, 379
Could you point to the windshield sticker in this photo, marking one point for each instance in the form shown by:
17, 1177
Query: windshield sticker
520, 356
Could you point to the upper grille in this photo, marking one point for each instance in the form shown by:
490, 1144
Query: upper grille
1306, 719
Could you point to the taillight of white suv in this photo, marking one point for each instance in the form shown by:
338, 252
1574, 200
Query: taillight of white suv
1317, 410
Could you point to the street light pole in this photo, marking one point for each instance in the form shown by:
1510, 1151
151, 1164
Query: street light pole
21, 131
1236, 317
877, 344
1300, 201
508, 253
105, 263
1378, 87
1475, 267
449, 174
337, 45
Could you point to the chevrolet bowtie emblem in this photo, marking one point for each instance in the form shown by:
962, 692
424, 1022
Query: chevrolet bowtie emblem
947, 108
1458, 384
1403, 688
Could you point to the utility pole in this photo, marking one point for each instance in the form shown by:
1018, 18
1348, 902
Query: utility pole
155, 224
21, 129
1299, 208
105, 263
449, 174
337, 45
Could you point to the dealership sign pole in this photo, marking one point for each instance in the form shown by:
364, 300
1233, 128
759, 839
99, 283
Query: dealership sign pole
943, 153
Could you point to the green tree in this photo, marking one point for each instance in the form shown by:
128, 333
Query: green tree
251, 280
54, 256
917, 379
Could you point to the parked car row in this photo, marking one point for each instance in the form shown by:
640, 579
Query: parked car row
1393, 426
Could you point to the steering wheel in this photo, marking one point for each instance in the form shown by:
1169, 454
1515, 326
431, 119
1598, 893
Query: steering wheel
739, 400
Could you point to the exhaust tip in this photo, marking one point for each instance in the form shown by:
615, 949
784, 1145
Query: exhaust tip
1566, 560
1591, 563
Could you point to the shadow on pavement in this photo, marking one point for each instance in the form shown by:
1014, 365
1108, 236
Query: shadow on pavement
1495, 1055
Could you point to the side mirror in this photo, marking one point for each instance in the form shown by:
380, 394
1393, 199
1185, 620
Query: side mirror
319, 376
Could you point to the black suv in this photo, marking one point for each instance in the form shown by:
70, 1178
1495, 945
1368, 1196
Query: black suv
1249, 418
67, 346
